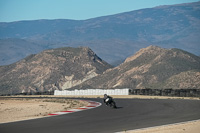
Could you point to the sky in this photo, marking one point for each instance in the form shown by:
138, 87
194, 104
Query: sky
17, 10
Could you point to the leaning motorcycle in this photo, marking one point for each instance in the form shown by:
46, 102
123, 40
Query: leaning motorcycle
111, 103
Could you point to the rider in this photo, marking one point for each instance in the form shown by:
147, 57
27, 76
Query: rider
107, 99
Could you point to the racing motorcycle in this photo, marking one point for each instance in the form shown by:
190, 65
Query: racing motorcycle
109, 101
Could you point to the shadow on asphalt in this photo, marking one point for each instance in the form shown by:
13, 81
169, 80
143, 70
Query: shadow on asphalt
119, 107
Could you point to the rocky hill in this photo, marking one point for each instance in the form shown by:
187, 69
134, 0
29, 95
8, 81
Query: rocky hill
152, 67
51, 69
117, 36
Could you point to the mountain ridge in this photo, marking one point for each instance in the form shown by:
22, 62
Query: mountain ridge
52, 69
151, 67
117, 36
80, 68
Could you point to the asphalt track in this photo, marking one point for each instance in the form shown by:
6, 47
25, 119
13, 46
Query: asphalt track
131, 114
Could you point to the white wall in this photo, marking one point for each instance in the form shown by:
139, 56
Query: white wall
93, 92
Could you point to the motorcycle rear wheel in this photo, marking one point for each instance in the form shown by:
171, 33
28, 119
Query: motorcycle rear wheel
113, 105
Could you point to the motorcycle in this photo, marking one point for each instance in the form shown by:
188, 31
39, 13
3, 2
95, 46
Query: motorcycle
110, 102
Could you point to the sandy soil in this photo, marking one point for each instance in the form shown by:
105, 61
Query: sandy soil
188, 127
23, 108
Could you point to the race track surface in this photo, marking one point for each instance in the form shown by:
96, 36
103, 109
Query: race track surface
131, 114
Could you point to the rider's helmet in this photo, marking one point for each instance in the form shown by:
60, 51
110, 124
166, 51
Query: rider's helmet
105, 95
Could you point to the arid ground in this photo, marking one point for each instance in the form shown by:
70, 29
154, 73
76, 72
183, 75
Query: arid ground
16, 109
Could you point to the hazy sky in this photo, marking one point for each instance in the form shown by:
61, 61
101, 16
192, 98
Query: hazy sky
15, 10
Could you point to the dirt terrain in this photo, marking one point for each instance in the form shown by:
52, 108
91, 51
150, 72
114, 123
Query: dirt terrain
16, 109
187, 127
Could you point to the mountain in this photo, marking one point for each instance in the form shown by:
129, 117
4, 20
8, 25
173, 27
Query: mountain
14, 49
151, 67
52, 69
113, 37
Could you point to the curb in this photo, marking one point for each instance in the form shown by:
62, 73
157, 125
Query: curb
91, 105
